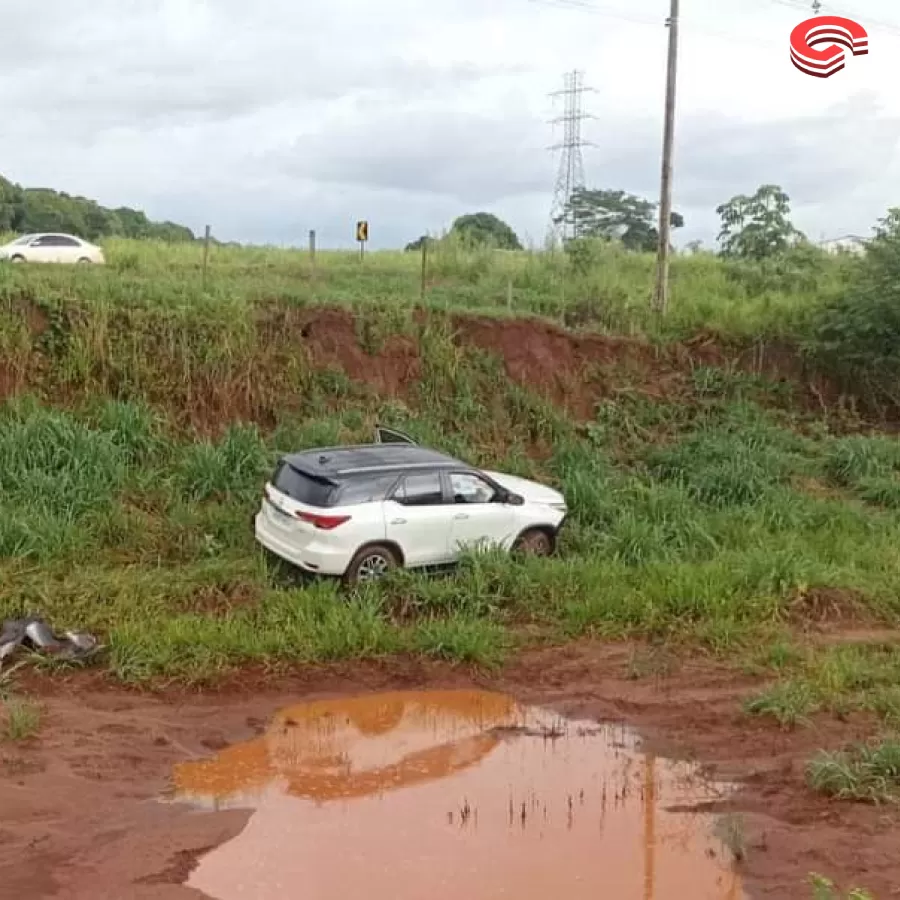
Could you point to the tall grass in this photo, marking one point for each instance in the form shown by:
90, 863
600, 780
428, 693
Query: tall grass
118, 521
604, 287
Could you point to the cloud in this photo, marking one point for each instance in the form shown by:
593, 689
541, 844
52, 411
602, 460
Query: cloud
269, 119
469, 157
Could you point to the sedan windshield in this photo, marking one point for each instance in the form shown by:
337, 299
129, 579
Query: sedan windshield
23, 240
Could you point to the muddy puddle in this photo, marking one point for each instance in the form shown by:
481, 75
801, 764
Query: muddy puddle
461, 793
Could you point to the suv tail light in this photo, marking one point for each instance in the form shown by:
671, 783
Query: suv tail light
326, 523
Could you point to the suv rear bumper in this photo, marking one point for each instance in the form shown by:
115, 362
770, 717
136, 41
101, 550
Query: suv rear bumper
314, 558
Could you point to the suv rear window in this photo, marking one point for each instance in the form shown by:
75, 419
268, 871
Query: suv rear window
302, 488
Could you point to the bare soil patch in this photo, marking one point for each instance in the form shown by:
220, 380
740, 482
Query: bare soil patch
827, 608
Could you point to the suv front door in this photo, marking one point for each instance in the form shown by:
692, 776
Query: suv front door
417, 518
478, 516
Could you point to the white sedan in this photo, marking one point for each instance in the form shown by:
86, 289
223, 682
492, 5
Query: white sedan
51, 248
359, 511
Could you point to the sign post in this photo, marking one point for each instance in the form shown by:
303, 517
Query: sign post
362, 235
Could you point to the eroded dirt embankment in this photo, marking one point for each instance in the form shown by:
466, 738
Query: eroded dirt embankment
192, 372
80, 817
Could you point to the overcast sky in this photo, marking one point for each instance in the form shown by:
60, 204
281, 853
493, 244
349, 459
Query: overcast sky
267, 119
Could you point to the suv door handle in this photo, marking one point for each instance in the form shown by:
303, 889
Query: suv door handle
461, 516
398, 521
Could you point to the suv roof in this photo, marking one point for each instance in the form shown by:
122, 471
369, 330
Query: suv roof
337, 462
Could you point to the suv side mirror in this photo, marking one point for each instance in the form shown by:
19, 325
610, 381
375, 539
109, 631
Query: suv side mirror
514, 500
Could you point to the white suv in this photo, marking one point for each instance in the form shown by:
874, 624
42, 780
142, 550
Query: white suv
357, 512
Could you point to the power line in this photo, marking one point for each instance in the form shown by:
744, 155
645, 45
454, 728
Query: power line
824, 8
731, 36
606, 12
570, 177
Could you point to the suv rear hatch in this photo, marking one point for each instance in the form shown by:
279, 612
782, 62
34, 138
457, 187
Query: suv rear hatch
299, 501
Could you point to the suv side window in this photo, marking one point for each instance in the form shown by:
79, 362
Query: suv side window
467, 487
420, 490
369, 489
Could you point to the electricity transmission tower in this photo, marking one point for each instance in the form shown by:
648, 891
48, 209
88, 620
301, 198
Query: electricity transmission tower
571, 163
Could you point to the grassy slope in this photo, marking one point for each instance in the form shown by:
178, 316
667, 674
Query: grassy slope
603, 286
719, 519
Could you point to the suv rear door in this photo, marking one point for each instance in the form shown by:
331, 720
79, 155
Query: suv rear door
418, 519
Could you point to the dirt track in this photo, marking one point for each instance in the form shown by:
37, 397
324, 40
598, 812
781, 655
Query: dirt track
80, 818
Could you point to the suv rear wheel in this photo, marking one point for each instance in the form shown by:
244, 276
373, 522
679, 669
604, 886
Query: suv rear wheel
372, 563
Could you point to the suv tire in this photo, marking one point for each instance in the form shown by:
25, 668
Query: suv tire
534, 542
370, 564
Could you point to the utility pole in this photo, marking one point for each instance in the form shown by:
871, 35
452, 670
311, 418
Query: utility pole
661, 294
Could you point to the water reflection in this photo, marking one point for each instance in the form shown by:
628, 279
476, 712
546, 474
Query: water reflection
407, 795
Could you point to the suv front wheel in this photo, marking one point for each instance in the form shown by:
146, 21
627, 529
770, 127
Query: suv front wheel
535, 542
372, 563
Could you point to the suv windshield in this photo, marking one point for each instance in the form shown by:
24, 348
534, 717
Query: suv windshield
302, 488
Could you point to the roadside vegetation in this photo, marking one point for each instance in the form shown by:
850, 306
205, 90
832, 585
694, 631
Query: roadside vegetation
727, 511
824, 889
869, 773
20, 718
596, 284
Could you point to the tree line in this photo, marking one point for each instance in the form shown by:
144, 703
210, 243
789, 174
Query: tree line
753, 226
27, 210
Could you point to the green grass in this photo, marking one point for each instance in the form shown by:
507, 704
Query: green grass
868, 773
825, 889
20, 719
119, 522
839, 680
790, 704
607, 290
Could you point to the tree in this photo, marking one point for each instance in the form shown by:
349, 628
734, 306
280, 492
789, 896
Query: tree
480, 229
42, 209
759, 226
417, 244
856, 332
10, 205
616, 215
